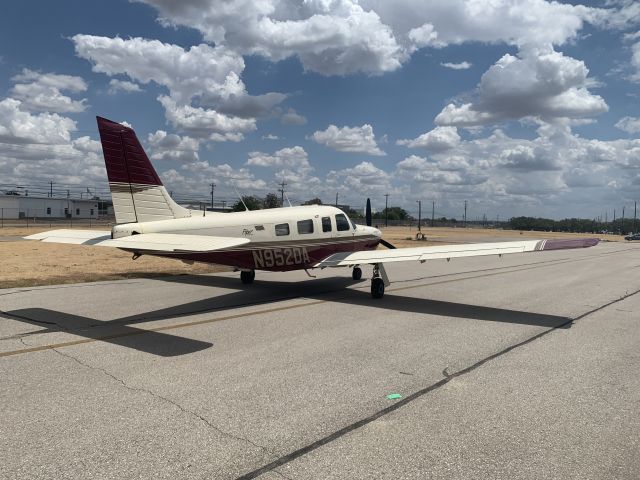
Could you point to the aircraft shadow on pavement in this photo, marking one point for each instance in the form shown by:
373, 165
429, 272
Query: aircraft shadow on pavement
120, 332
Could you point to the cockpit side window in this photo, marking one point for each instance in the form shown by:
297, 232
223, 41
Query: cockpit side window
342, 223
326, 224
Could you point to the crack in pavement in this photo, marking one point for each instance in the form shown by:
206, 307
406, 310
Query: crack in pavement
414, 396
166, 400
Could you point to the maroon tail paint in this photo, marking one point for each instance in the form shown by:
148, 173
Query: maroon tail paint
124, 157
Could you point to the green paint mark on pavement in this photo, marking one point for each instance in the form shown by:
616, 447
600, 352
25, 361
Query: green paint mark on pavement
394, 396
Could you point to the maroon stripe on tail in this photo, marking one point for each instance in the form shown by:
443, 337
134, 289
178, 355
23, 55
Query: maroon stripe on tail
124, 157
555, 244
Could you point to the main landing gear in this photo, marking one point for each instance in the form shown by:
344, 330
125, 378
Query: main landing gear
356, 273
379, 281
247, 276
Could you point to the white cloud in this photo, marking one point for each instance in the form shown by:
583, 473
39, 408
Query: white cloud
203, 123
291, 117
349, 139
629, 124
331, 38
270, 136
116, 86
171, 147
206, 97
341, 37
290, 158
457, 66
19, 126
538, 83
43, 92
438, 139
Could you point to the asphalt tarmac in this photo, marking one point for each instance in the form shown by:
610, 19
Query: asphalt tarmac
521, 367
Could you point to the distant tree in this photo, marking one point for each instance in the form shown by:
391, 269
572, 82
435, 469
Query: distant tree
394, 213
271, 201
313, 201
253, 203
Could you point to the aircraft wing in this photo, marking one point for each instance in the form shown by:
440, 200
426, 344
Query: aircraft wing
151, 242
423, 254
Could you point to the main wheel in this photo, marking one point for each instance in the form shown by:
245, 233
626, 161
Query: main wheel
356, 274
377, 287
247, 276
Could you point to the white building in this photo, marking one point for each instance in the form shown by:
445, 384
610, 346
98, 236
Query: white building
20, 206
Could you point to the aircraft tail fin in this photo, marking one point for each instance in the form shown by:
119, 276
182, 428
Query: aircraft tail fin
137, 191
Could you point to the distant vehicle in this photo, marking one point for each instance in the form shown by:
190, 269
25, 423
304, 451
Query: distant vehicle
633, 236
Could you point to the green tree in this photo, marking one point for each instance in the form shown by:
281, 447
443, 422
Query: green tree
271, 201
252, 202
313, 201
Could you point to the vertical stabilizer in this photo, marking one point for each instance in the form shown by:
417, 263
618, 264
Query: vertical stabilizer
137, 192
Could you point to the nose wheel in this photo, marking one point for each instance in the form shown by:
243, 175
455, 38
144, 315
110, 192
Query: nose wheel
379, 281
247, 276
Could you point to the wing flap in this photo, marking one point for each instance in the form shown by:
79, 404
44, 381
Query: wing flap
152, 242
451, 251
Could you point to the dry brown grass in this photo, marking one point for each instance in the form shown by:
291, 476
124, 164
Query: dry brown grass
29, 263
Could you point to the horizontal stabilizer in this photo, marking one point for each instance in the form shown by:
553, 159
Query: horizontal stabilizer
452, 251
151, 242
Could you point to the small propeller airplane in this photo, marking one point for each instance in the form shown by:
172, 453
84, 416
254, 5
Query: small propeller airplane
150, 222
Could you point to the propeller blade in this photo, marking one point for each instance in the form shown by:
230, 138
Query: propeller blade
386, 244
368, 212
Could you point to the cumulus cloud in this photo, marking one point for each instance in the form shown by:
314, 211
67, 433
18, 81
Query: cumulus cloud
19, 126
438, 139
629, 124
346, 36
540, 83
359, 181
206, 96
172, 147
457, 66
43, 92
349, 139
291, 117
290, 158
116, 86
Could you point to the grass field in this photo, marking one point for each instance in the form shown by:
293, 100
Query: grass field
30, 263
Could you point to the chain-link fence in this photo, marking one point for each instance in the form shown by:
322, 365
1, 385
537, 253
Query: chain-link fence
54, 217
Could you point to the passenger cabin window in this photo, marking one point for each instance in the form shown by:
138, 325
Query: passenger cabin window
282, 229
305, 226
342, 223
326, 224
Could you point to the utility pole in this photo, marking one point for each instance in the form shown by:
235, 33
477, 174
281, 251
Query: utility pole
336, 199
386, 209
433, 212
622, 222
51, 189
419, 213
281, 190
465, 214
213, 186
635, 210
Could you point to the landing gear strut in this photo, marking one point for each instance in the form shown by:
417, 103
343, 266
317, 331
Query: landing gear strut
379, 281
247, 276
356, 273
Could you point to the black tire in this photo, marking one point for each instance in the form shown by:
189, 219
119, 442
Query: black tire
356, 274
247, 276
377, 288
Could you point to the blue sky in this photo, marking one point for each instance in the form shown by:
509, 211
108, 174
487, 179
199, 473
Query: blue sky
519, 107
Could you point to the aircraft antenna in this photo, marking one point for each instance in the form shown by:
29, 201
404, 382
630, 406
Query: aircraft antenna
287, 197
240, 197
